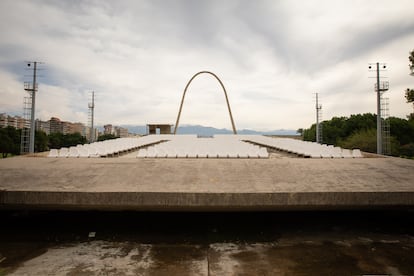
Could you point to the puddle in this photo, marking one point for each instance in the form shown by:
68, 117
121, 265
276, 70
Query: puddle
206, 244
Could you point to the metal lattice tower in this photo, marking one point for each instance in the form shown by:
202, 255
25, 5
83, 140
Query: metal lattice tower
385, 127
318, 121
28, 131
91, 106
380, 88
25, 136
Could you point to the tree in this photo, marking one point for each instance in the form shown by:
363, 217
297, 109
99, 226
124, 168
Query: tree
58, 140
407, 150
55, 140
359, 131
107, 137
6, 144
15, 136
9, 141
409, 93
73, 139
339, 128
402, 130
310, 134
364, 139
41, 141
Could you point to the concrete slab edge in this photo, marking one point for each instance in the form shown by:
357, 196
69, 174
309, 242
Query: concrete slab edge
155, 201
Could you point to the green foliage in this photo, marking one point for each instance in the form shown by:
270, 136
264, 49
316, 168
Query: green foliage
9, 141
339, 128
310, 134
6, 144
363, 139
407, 150
402, 130
55, 140
359, 131
41, 141
73, 139
59, 140
334, 130
409, 95
107, 137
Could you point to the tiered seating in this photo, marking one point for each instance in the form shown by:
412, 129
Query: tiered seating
304, 148
189, 146
105, 148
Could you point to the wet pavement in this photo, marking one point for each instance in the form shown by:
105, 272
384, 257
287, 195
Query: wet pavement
256, 243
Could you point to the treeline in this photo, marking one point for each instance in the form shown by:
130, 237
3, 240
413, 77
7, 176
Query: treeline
10, 141
359, 131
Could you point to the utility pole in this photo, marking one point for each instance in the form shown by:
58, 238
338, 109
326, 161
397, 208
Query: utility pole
30, 106
32, 122
380, 87
379, 128
318, 116
91, 106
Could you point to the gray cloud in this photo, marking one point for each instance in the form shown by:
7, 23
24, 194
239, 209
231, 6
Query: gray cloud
271, 55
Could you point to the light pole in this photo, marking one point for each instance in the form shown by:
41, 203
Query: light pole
380, 87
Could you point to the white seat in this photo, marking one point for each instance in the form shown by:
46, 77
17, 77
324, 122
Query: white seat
64, 152
83, 152
263, 153
356, 153
73, 152
151, 153
161, 152
93, 151
346, 153
191, 153
142, 153
53, 153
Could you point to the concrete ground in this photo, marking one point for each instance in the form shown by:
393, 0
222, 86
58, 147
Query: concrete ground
134, 243
205, 184
130, 258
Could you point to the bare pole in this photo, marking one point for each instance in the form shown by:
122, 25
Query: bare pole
318, 116
317, 119
379, 129
92, 107
32, 120
93, 111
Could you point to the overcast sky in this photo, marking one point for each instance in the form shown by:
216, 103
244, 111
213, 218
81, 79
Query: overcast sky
272, 56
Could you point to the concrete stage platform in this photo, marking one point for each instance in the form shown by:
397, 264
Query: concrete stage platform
205, 184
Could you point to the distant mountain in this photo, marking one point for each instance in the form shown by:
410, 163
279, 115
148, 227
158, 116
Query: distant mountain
209, 131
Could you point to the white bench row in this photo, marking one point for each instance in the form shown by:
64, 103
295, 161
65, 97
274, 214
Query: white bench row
103, 149
189, 146
304, 148
180, 146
